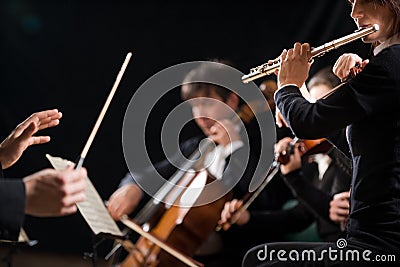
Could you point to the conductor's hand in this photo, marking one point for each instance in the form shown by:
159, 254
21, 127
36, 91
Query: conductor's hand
54, 192
124, 201
228, 211
22, 137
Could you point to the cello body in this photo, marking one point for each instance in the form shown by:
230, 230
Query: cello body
184, 228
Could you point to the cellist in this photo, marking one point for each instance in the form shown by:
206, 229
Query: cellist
212, 107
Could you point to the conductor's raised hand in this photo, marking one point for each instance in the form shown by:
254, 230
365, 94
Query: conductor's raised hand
22, 137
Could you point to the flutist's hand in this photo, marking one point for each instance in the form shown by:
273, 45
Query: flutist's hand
294, 65
347, 63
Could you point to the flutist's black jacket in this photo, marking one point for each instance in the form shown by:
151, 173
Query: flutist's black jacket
369, 106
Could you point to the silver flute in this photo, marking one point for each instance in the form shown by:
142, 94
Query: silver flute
269, 68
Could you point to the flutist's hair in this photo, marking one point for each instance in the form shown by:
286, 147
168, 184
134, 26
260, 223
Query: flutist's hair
394, 6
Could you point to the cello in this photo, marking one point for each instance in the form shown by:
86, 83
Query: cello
186, 227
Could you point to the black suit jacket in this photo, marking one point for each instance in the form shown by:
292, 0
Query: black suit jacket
12, 207
316, 194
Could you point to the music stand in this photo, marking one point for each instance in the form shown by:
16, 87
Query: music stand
93, 211
15, 246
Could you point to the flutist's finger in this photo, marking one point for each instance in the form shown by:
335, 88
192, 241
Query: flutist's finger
297, 49
283, 55
290, 54
305, 50
364, 63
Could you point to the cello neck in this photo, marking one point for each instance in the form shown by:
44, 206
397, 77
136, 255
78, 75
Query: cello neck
195, 162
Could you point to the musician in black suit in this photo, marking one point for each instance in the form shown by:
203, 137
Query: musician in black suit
369, 106
45, 193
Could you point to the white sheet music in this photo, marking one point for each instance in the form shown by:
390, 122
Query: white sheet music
92, 209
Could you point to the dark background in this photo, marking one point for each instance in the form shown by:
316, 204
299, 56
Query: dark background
66, 55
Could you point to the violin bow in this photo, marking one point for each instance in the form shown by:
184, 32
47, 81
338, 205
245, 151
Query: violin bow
180, 256
249, 198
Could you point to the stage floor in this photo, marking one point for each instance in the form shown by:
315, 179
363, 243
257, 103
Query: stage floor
27, 257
